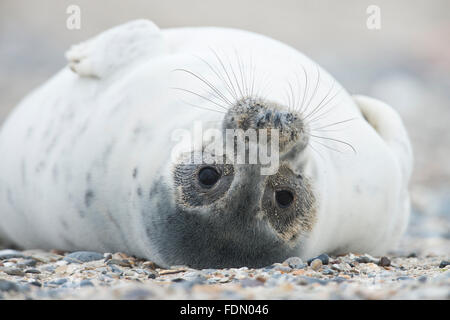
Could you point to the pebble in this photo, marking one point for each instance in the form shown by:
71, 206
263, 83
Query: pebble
384, 262
122, 263
27, 263
316, 264
83, 256
443, 264
13, 271
366, 259
324, 258
9, 254
294, 263
34, 271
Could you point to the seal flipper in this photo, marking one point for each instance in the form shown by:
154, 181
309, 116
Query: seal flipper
387, 122
116, 48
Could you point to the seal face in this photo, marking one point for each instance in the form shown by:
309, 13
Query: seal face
88, 162
232, 215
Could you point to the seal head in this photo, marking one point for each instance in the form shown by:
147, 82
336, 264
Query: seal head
228, 214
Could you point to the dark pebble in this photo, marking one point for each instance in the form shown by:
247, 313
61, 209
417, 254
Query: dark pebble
83, 256
443, 264
35, 271
384, 262
412, 255
36, 283
9, 254
323, 257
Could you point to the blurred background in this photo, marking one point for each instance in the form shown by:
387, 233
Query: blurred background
406, 62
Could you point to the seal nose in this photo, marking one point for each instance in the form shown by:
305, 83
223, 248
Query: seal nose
259, 114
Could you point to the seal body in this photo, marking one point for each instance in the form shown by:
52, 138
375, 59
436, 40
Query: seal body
89, 160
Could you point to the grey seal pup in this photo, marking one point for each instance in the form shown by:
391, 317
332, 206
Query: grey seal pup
89, 160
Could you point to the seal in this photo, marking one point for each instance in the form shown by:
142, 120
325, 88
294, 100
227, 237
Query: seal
90, 159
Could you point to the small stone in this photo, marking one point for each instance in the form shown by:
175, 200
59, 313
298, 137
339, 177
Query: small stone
107, 256
9, 254
366, 259
13, 271
384, 262
281, 268
294, 262
34, 271
327, 272
83, 256
27, 263
324, 258
443, 264
122, 263
412, 255
316, 264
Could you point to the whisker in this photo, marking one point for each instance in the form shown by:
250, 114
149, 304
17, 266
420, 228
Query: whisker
204, 108
317, 86
220, 76
328, 147
235, 77
335, 123
224, 99
324, 98
199, 95
336, 140
226, 72
306, 89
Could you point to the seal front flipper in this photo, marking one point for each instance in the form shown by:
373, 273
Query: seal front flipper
114, 49
387, 122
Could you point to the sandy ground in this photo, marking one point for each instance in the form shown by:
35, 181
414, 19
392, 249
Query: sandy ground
406, 63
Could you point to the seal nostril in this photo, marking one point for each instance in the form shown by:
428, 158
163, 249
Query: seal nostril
284, 198
208, 177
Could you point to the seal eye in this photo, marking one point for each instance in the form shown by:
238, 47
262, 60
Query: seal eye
208, 177
284, 198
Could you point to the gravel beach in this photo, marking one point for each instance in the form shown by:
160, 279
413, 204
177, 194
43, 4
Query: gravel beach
36, 274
